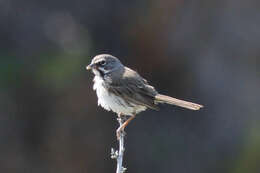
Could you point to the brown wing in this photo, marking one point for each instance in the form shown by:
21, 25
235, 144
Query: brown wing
134, 89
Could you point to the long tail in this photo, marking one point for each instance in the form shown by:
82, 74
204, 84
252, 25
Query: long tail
173, 101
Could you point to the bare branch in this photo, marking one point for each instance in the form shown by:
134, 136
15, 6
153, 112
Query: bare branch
119, 154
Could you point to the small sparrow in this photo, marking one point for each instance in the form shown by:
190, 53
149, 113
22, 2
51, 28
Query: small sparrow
123, 91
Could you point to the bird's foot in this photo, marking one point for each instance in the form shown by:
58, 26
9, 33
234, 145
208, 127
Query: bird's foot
120, 132
121, 118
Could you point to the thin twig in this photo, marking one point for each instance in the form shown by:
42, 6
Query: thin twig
119, 154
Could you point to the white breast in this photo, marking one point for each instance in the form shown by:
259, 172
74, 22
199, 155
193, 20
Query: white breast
112, 102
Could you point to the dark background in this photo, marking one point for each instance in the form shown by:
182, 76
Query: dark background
202, 51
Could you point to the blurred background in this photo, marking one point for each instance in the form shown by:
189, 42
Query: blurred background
202, 51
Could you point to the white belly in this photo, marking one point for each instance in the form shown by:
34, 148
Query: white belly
112, 102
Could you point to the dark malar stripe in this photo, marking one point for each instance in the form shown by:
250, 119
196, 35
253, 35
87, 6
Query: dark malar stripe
102, 74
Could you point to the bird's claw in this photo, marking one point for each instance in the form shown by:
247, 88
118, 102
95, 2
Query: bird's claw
119, 132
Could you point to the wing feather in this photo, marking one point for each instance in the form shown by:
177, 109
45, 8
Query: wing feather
134, 89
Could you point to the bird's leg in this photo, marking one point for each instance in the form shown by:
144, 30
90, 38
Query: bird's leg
122, 127
121, 119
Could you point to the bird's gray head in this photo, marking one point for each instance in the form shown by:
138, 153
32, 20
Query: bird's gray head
104, 64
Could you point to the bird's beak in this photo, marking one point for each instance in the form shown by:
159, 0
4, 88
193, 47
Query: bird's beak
90, 66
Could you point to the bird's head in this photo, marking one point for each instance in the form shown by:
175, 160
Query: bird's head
104, 64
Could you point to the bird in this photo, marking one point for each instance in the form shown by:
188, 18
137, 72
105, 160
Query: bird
123, 91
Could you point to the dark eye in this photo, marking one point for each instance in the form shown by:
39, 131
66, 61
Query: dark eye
102, 62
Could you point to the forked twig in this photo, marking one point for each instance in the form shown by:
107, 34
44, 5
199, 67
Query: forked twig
119, 154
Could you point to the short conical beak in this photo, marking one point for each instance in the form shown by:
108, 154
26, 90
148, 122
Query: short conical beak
90, 66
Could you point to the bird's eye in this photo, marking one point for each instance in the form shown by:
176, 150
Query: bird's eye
102, 62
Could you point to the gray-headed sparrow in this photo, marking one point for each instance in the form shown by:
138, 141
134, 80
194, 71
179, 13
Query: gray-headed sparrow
123, 91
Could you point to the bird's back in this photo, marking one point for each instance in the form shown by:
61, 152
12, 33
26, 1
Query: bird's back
133, 88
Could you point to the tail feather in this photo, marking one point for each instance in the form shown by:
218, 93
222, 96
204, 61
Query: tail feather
173, 101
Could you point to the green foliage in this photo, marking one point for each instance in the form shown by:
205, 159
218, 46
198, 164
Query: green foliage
60, 69
249, 159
